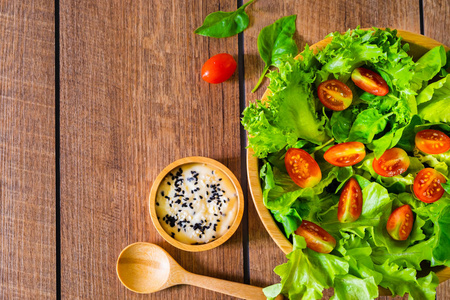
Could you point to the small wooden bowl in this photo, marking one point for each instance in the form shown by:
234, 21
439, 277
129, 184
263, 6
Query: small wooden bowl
211, 163
419, 45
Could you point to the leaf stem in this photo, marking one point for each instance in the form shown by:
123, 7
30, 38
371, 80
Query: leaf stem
261, 78
322, 146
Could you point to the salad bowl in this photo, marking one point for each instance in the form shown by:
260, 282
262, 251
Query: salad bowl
419, 45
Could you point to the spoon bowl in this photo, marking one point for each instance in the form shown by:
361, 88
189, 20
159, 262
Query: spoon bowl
147, 268
144, 267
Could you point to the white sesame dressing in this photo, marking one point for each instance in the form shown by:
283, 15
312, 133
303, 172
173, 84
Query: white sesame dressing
196, 204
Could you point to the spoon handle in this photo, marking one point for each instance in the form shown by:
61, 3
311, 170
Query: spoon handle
235, 289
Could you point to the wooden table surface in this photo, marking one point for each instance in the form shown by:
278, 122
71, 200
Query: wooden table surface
97, 97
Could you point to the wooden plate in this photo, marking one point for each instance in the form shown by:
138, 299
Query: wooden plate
419, 44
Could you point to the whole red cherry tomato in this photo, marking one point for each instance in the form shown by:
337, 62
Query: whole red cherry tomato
218, 68
335, 94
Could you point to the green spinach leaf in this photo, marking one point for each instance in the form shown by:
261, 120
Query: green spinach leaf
222, 24
275, 41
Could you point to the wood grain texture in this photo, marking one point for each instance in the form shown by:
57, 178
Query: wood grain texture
27, 145
436, 25
132, 101
315, 19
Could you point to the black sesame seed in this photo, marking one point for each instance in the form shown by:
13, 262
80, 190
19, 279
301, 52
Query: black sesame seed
162, 193
168, 183
220, 179
157, 203
228, 227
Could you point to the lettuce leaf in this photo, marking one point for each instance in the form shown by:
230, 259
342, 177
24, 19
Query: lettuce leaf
428, 66
403, 280
436, 101
307, 273
290, 113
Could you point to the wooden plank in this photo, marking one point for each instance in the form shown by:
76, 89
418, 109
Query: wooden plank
315, 19
132, 101
27, 145
435, 20
436, 25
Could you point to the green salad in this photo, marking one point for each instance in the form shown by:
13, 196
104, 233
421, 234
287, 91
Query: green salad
361, 89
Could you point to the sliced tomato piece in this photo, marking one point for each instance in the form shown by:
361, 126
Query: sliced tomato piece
400, 223
370, 81
350, 202
345, 154
302, 168
335, 94
427, 185
393, 162
432, 141
316, 237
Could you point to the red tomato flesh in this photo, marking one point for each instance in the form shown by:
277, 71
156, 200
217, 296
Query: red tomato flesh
302, 168
400, 223
350, 202
218, 68
335, 94
427, 185
370, 81
432, 141
393, 162
316, 237
345, 154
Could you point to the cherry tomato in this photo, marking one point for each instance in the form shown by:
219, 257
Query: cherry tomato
316, 237
350, 202
218, 68
427, 185
370, 81
345, 154
393, 162
302, 168
400, 223
432, 141
335, 94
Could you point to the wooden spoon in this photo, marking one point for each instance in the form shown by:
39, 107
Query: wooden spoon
147, 268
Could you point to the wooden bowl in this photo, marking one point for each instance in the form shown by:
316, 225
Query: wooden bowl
419, 45
210, 163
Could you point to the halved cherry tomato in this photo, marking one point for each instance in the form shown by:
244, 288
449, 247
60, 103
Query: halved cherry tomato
427, 185
350, 202
393, 162
302, 168
370, 81
316, 237
432, 141
218, 68
345, 154
335, 94
400, 223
